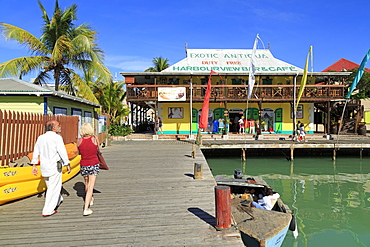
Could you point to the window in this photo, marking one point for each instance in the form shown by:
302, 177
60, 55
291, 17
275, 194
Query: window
78, 112
174, 81
88, 117
59, 111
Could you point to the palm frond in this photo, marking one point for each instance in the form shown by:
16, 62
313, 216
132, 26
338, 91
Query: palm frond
62, 46
95, 68
84, 90
45, 16
22, 65
85, 46
24, 38
42, 78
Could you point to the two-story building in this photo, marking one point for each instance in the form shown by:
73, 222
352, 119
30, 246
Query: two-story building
177, 93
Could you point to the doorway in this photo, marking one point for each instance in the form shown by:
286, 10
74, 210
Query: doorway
267, 120
235, 114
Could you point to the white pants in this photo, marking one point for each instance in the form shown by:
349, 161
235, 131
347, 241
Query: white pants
53, 196
251, 130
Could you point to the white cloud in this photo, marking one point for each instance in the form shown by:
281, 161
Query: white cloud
128, 63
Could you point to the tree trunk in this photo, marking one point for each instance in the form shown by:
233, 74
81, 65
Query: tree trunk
56, 79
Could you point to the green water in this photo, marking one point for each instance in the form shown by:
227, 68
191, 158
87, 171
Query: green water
331, 199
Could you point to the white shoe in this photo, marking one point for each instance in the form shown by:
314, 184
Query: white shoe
92, 201
87, 212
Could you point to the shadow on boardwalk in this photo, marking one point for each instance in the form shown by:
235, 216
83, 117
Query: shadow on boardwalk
147, 198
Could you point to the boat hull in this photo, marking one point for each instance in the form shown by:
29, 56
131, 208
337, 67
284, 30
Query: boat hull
25, 184
10, 175
275, 241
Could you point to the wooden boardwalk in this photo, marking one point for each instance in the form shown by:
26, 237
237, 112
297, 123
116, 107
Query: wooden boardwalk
148, 198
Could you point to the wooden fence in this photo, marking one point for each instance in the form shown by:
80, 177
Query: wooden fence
19, 132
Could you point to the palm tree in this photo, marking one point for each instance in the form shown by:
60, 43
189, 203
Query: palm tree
159, 65
111, 96
61, 48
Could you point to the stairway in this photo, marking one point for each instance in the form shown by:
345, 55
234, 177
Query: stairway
348, 126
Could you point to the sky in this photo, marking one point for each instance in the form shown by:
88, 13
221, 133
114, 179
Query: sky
133, 32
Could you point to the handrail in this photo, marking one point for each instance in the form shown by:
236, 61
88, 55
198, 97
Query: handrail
238, 93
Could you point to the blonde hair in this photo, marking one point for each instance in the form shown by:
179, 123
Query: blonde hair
86, 130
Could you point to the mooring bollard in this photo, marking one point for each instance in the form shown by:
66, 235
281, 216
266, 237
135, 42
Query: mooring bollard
223, 207
193, 151
198, 171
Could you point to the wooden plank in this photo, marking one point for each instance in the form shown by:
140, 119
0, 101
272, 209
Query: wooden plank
147, 198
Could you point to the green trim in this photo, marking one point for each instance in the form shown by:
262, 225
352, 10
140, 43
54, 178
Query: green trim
205, 133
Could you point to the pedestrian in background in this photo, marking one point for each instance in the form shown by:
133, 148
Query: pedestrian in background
159, 125
50, 149
241, 126
88, 146
302, 133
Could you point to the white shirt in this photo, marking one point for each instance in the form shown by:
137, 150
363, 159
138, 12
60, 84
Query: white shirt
50, 147
270, 200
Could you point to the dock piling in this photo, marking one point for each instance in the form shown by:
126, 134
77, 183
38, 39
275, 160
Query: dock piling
198, 171
193, 151
223, 207
291, 154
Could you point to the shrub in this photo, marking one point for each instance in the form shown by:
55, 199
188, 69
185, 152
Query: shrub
119, 130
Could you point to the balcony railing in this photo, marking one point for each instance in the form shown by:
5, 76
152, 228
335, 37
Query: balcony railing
238, 93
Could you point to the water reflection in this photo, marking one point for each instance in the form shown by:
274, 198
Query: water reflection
331, 199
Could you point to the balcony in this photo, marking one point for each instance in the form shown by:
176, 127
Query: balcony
238, 93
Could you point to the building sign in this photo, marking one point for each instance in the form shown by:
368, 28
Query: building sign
299, 113
102, 123
231, 61
171, 94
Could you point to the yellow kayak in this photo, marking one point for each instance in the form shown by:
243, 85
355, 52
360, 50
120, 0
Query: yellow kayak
23, 170
9, 175
26, 184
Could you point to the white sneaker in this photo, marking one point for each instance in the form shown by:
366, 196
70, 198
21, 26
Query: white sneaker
92, 201
87, 212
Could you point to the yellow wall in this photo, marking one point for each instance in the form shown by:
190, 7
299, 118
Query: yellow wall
23, 104
174, 125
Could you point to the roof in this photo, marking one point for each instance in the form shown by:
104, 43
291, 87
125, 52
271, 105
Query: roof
227, 61
12, 86
343, 65
232, 61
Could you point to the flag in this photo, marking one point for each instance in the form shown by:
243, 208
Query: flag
252, 70
203, 121
359, 74
304, 77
